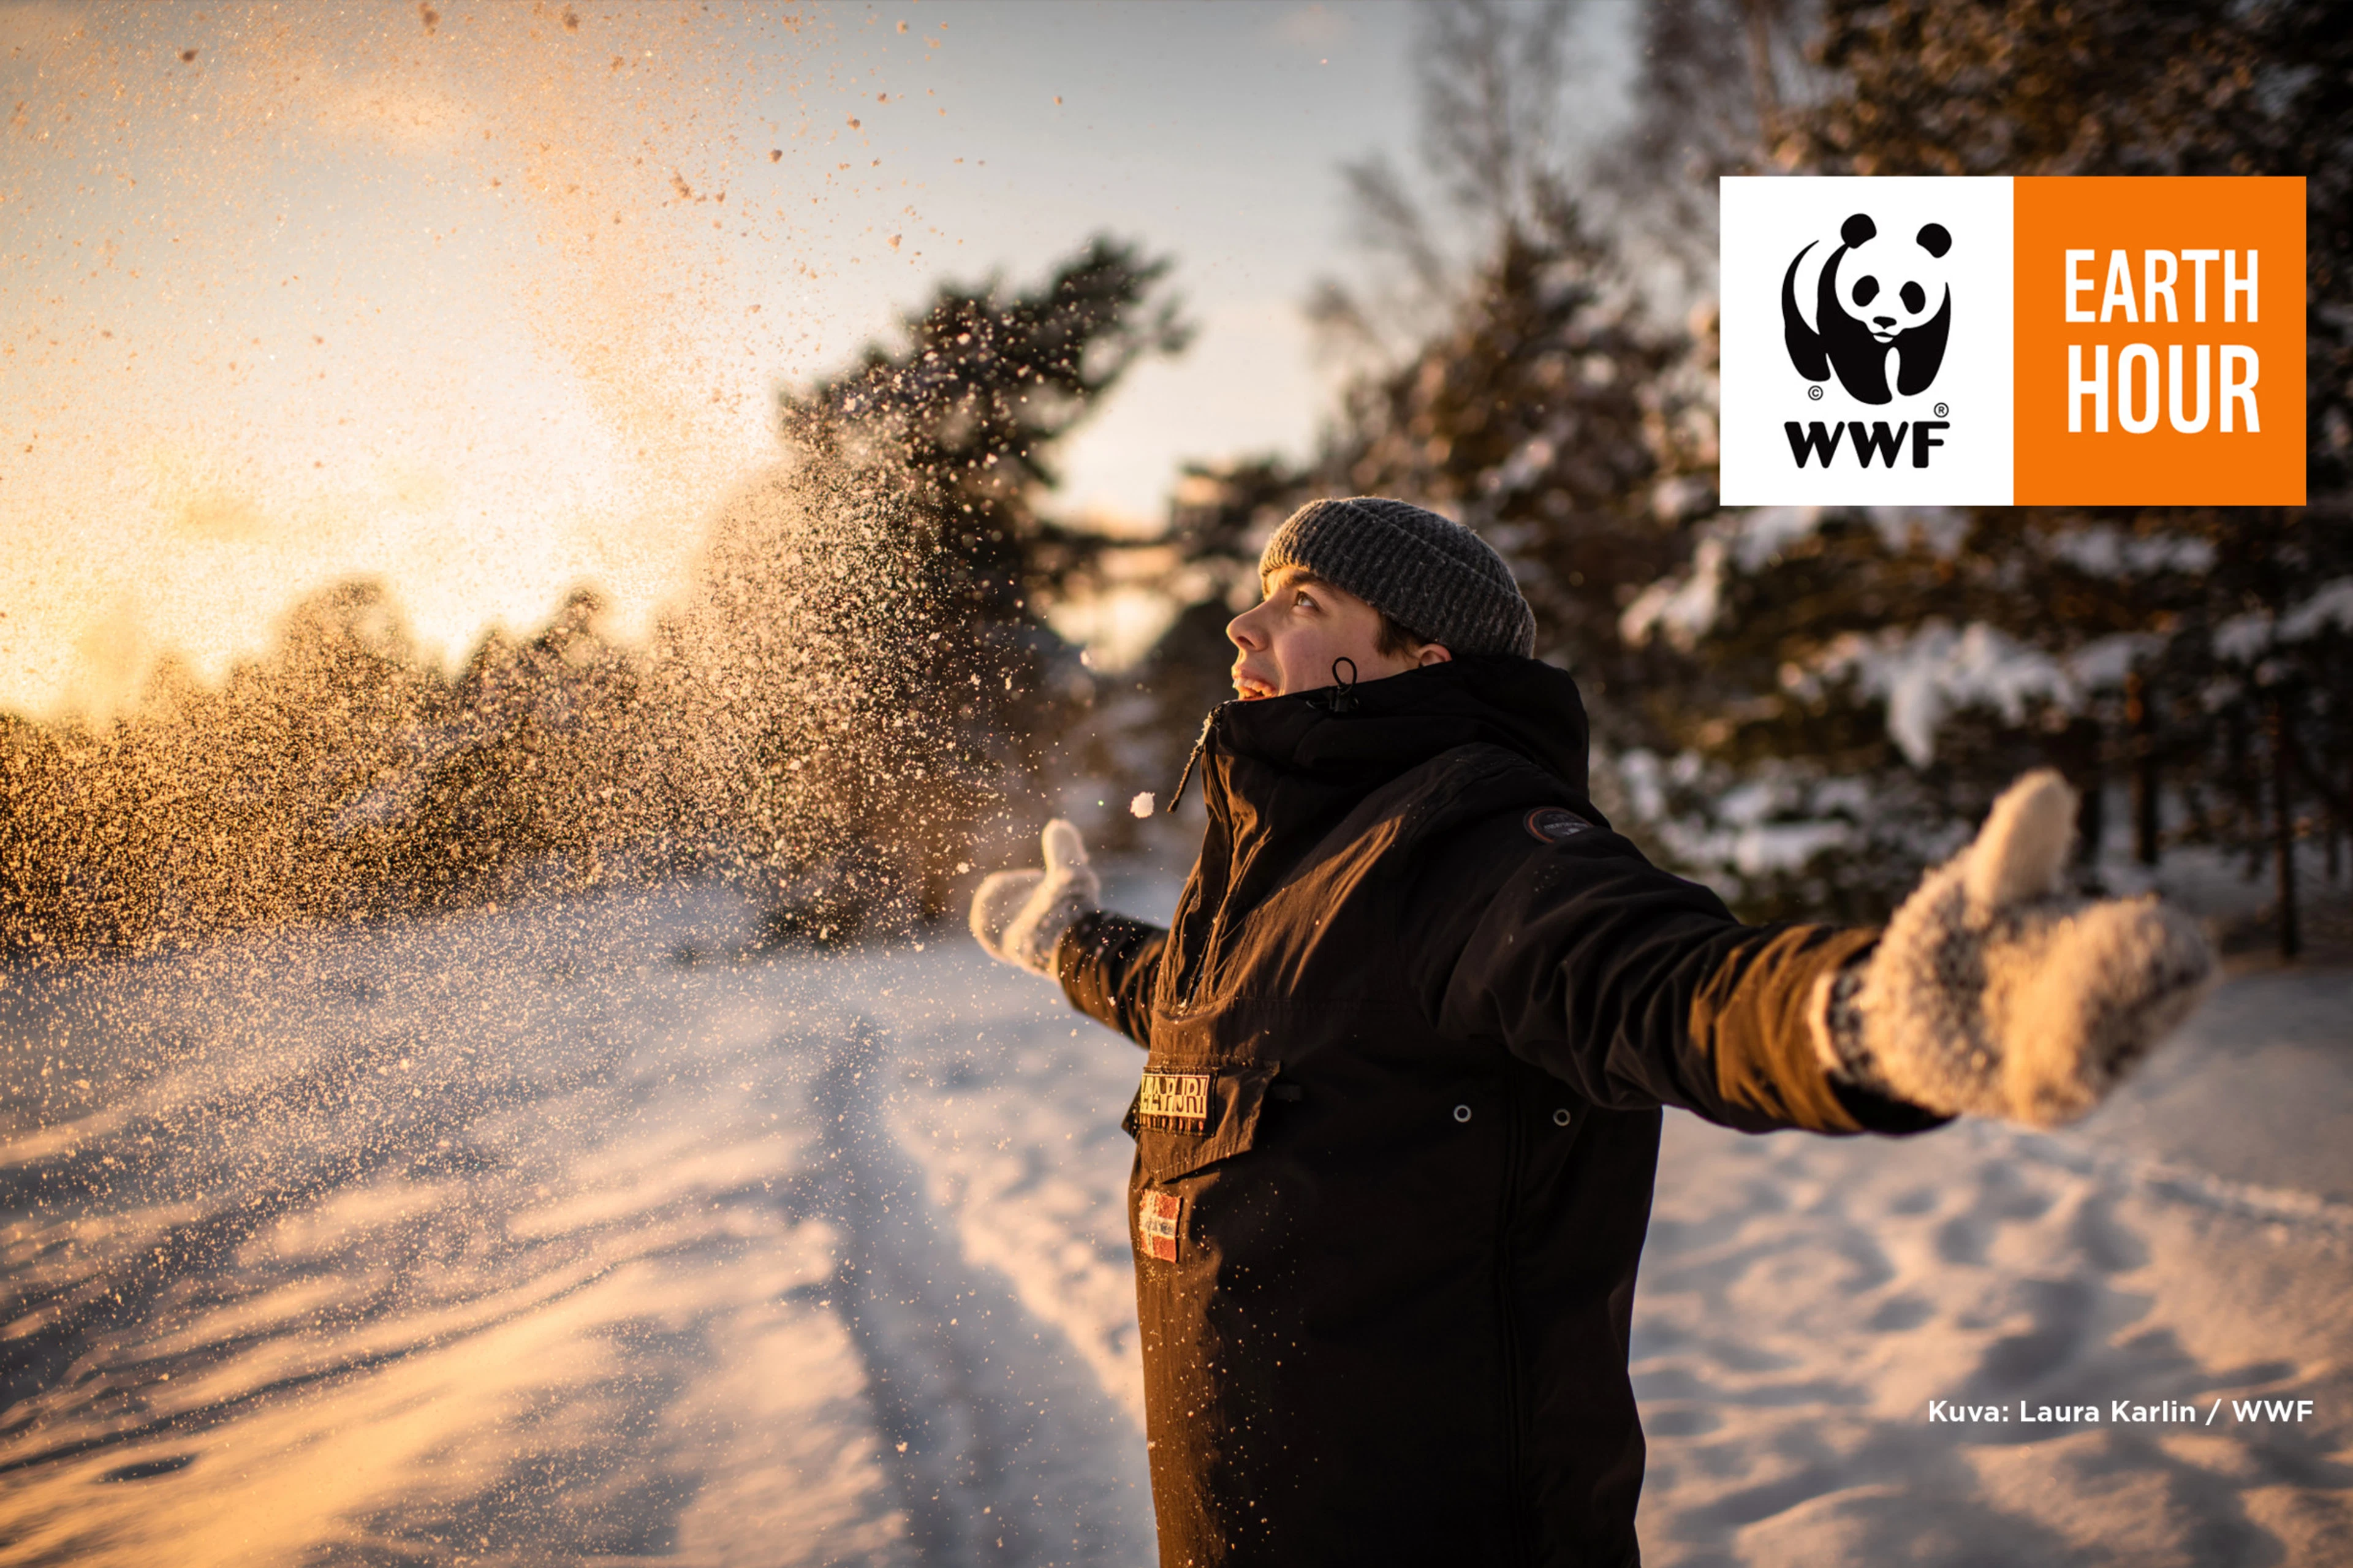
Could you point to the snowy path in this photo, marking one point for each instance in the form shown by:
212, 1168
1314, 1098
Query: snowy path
1803, 1299
580, 1234
570, 1236
990, 1428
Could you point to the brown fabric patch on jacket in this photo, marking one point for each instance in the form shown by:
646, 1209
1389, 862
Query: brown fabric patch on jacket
1750, 1017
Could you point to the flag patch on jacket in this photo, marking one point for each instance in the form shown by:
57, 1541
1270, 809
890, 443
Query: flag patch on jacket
1159, 1223
1174, 1102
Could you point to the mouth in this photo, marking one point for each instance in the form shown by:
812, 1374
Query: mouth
1250, 687
1879, 336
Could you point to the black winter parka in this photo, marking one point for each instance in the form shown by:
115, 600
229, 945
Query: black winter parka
1409, 1040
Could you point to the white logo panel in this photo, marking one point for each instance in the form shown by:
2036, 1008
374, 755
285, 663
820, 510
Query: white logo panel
1867, 346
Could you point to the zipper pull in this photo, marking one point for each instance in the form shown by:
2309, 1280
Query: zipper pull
1177, 796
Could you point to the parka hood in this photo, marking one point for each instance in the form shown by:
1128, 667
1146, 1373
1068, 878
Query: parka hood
1281, 774
1361, 736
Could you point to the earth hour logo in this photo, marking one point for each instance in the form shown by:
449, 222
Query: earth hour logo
1872, 301
1990, 340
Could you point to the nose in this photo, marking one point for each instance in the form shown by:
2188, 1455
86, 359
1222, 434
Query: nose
1882, 320
1243, 634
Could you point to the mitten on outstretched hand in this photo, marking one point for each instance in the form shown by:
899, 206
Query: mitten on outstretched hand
1019, 916
1996, 993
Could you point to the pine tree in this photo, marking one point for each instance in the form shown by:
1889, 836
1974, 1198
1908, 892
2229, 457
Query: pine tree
867, 676
1521, 381
1544, 413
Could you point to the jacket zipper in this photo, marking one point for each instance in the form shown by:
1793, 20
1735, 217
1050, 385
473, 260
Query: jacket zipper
1201, 743
1194, 970
1514, 1521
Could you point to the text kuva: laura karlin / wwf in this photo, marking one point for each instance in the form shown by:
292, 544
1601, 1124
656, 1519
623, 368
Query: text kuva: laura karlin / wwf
2123, 1412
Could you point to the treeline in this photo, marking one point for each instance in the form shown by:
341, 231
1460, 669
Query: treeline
1802, 705
860, 681
341, 775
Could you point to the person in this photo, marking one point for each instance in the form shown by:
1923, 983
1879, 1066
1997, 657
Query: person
1409, 1033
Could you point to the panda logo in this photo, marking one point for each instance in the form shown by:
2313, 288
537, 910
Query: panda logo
1867, 304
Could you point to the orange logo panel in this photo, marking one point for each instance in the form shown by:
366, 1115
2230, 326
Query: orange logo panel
2159, 341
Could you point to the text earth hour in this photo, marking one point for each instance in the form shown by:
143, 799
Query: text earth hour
2139, 386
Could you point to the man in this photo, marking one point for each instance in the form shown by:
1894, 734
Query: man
1408, 1038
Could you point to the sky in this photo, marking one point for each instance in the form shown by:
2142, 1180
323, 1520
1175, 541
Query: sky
490, 301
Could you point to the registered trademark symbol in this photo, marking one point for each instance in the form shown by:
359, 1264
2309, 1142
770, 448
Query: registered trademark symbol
1942, 411
1815, 393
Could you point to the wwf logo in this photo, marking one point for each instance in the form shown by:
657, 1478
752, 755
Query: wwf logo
1866, 306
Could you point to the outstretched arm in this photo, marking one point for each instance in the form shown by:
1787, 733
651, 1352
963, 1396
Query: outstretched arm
1634, 985
1991, 993
1050, 922
1108, 965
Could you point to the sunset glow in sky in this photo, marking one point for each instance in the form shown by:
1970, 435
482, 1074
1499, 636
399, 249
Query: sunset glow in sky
491, 300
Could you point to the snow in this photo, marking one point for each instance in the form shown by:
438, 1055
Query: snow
1681, 609
1924, 672
1685, 609
2104, 550
1769, 530
580, 1232
2103, 663
1942, 529
589, 1232
1803, 1299
1776, 818
2247, 637
2331, 607
2244, 637
1758, 825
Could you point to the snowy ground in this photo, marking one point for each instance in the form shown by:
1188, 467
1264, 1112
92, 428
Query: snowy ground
1803, 1299
582, 1235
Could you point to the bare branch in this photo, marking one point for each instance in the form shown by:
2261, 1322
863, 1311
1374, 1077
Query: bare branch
1390, 223
1493, 77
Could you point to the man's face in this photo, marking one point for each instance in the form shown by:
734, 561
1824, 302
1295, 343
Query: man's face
1291, 640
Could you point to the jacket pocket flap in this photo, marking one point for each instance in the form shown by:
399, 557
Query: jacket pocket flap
1183, 1118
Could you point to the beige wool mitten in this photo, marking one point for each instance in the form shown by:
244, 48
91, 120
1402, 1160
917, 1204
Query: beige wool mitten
1994, 991
1019, 916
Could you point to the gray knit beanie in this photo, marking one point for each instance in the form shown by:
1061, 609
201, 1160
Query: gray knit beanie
1414, 566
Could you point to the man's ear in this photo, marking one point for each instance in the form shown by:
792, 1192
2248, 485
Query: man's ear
1433, 652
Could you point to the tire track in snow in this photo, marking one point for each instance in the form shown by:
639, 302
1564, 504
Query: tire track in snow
998, 1432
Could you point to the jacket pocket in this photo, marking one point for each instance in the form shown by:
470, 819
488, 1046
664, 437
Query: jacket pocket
1183, 1118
